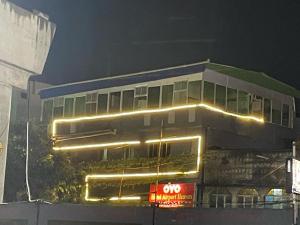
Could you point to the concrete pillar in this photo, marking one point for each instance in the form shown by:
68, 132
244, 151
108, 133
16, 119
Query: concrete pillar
234, 196
25, 39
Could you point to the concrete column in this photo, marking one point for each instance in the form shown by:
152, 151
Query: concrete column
25, 39
234, 196
5, 106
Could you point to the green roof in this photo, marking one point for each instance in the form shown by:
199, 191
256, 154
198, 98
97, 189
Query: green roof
257, 78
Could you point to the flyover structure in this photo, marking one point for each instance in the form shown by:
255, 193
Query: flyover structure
25, 39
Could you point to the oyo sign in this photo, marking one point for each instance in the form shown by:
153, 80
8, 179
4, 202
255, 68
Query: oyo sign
171, 188
172, 195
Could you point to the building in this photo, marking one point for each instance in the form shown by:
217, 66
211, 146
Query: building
202, 132
25, 39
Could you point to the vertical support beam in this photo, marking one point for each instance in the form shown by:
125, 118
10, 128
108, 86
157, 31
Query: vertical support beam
5, 109
201, 187
295, 204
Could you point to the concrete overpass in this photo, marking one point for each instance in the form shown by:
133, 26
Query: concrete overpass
25, 39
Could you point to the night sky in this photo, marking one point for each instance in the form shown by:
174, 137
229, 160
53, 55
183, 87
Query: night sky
97, 38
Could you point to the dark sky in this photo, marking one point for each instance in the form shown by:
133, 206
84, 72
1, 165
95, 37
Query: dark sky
96, 38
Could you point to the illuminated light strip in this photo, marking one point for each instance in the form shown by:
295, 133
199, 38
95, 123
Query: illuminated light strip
133, 175
114, 115
105, 176
125, 198
126, 175
89, 146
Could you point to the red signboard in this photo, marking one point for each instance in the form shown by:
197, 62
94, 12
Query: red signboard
172, 195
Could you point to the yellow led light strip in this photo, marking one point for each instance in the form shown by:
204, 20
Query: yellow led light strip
105, 176
125, 198
137, 175
114, 115
91, 146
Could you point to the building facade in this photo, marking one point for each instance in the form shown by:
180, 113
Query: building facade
199, 133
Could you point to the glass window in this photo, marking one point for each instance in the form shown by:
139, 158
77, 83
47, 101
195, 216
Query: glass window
69, 105
285, 115
276, 112
231, 100
194, 91
91, 103
209, 92
243, 102
256, 105
153, 97
140, 100
102, 103
180, 92
114, 101
80, 106
267, 110
127, 102
58, 109
167, 95
220, 96
47, 110
154, 149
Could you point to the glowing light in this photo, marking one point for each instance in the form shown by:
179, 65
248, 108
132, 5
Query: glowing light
114, 115
125, 198
99, 145
132, 175
143, 175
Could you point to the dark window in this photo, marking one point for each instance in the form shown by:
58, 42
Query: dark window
164, 151
194, 91
167, 95
285, 115
114, 101
153, 97
276, 112
267, 110
80, 106
231, 100
102, 103
256, 105
128, 99
69, 105
243, 102
58, 109
91, 103
209, 92
220, 96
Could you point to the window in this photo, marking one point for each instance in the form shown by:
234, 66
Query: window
167, 95
285, 115
267, 110
153, 97
164, 151
256, 105
209, 92
114, 101
247, 198
276, 112
80, 106
180, 92
47, 110
91, 103
127, 102
220, 96
194, 91
231, 100
243, 102
128, 153
140, 100
69, 105
220, 198
102, 103
58, 109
